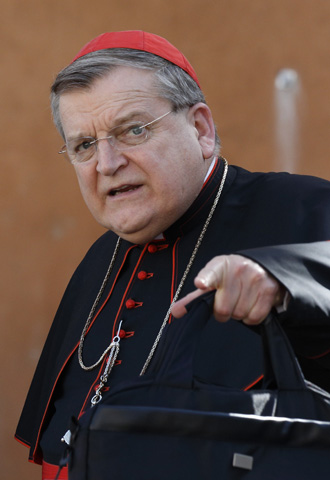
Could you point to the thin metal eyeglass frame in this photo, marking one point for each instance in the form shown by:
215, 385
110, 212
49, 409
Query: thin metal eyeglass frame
96, 140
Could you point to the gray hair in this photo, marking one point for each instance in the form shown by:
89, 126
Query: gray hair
173, 83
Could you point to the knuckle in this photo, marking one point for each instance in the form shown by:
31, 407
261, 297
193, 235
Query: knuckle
221, 318
254, 318
244, 266
238, 266
223, 311
258, 314
259, 277
270, 290
251, 321
239, 314
215, 262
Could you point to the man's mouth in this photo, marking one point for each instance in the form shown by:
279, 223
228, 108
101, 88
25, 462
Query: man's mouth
123, 189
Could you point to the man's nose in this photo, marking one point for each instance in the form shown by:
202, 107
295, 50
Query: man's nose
108, 158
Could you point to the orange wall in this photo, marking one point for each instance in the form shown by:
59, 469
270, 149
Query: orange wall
236, 47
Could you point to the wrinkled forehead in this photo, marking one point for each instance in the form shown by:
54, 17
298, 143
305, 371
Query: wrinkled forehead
115, 97
116, 77
119, 85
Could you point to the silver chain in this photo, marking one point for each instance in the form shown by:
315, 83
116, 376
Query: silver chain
91, 314
188, 267
115, 342
114, 350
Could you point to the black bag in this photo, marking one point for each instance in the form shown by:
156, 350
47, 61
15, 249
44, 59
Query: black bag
170, 426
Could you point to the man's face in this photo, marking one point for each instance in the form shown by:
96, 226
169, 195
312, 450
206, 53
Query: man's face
140, 191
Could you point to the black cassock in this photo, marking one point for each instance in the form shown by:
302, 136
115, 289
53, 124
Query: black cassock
281, 221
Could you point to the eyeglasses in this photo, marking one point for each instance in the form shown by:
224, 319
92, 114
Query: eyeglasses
130, 134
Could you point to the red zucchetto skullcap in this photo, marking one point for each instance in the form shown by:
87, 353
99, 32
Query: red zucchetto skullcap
139, 40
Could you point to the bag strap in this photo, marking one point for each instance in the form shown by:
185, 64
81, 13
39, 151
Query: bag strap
281, 364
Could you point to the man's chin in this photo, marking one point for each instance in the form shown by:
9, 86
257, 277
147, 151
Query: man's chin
135, 234
139, 238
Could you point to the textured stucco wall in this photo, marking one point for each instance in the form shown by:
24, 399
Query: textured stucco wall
237, 47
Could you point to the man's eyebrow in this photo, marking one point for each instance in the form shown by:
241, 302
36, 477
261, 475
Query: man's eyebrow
129, 117
77, 137
116, 123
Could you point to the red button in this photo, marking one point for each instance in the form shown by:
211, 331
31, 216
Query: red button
130, 303
122, 333
142, 275
152, 248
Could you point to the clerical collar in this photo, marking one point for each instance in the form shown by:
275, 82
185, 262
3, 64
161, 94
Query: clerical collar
209, 170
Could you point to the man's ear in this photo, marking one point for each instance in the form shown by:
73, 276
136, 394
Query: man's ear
202, 119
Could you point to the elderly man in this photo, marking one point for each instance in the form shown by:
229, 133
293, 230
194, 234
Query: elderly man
180, 221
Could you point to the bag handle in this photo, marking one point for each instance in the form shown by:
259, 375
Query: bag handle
281, 364
174, 362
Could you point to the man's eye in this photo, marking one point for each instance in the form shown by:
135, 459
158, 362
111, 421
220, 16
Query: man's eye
129, 131
131, 134
137, 130
83, 145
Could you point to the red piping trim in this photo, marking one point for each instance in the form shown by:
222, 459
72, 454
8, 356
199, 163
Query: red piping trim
319, 356
129, 334
138, 304
66, 361
253, 383
22, 442
174, 273
162, 247
50, 396
92, 389
115, 323
111, 290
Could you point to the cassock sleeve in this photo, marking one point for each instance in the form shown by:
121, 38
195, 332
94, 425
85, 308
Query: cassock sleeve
304, 270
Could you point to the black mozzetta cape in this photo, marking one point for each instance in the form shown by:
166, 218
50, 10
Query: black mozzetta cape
281, 221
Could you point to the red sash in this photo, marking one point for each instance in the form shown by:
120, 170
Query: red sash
49, 472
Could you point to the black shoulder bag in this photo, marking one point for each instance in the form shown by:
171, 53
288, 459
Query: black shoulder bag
166, 428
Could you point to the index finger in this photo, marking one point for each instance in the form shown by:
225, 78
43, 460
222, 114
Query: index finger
211, 276
178, 308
